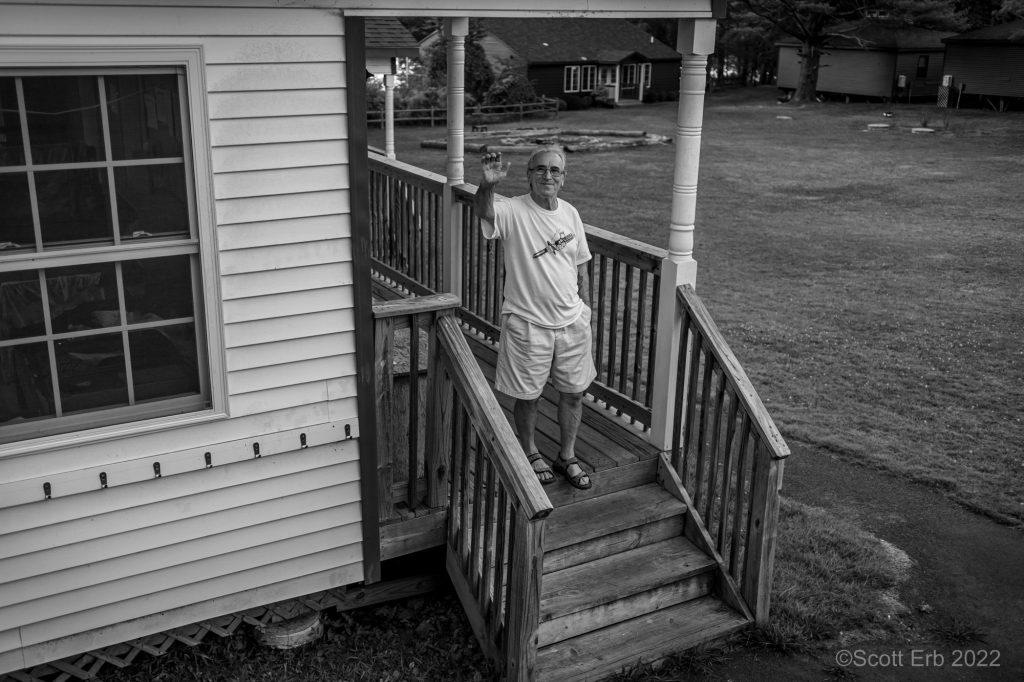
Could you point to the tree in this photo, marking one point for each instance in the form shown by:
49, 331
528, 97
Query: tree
479, 76
817, 24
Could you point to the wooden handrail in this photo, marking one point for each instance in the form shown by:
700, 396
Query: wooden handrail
728, 456
718, 347
514, 469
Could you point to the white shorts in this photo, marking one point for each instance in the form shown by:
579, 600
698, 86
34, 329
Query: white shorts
528, 354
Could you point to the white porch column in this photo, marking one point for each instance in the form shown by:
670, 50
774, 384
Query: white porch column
456, 29
696, 41
389, 115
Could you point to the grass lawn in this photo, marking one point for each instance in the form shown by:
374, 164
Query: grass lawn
870, 282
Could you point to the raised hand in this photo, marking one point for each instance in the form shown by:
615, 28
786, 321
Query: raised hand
494, 170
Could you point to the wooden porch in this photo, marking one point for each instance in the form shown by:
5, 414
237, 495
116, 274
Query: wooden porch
549, 575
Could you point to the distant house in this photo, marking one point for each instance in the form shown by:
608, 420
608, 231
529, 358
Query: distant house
873, 60
567, 58
988, 62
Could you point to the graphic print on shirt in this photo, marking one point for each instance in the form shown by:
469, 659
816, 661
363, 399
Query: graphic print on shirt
557, 245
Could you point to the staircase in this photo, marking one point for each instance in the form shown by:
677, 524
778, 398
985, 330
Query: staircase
622, 583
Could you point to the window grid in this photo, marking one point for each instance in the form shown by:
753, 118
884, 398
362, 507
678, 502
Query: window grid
43, 257
571, 80
588, 78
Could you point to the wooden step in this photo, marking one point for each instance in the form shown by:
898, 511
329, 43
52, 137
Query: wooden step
647, 638
598, 527
622, 586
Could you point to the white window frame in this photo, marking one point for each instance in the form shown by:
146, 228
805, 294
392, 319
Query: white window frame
629, 77
571, 79
645, 74
57, 59
588, 78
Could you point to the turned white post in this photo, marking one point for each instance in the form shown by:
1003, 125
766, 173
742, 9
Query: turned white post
695, 42
389, 115
456, 29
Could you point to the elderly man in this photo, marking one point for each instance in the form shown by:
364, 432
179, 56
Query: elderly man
545, 317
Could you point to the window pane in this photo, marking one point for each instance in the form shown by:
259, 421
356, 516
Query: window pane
74, 207
15, 212
144, 115
12, 148
82, 297
63, 119
157, 289
90, 372
151, 200
26, 391
21, 306
164, 361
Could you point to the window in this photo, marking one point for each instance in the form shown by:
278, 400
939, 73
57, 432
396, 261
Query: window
629, 78
607, 75
100, 278
589, 78
645, 69
922, 66
571, 79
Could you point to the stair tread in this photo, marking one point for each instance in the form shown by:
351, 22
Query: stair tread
649, 637
599, 516
619, 576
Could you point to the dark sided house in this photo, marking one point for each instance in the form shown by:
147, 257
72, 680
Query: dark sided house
988, 64
568, 58
872, 60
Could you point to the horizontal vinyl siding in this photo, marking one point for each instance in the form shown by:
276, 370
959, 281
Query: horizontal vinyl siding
857, 72
994, 70
94, 566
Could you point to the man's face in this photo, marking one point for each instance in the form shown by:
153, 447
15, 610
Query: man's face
547, 175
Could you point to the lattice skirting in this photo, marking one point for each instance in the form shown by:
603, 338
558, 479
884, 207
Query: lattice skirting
88, 665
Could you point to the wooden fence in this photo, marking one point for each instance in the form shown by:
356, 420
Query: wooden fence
475, 115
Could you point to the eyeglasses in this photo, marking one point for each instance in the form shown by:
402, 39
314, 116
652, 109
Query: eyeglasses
544, 170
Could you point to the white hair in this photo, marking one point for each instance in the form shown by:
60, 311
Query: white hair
544, 150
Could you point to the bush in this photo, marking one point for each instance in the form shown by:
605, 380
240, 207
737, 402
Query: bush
510, 87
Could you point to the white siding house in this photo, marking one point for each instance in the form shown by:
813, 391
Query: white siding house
219, 528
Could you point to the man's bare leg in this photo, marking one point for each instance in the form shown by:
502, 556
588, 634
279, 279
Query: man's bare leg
524, 413
570, 414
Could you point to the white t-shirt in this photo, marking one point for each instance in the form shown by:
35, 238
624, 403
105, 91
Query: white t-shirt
542, 252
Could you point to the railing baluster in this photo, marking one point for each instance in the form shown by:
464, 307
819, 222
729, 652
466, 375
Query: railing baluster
730, 431
602, 313
613, 325
701, 431
478, 511
738, 520
414, 410
486, 595
627, 330
714, 456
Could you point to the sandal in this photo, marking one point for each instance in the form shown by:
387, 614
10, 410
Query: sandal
562, 467
544, 474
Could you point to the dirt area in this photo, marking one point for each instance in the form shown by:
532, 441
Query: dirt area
968, 570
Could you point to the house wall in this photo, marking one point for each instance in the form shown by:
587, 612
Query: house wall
850, 72
906, 63
995, 70
95, 566
548, 79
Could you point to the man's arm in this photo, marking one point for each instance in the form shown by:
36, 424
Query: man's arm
493, 173
583, 283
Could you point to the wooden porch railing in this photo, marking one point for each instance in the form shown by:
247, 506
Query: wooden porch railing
496, 518
728, 455
462, 446
404, 362
406, 214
